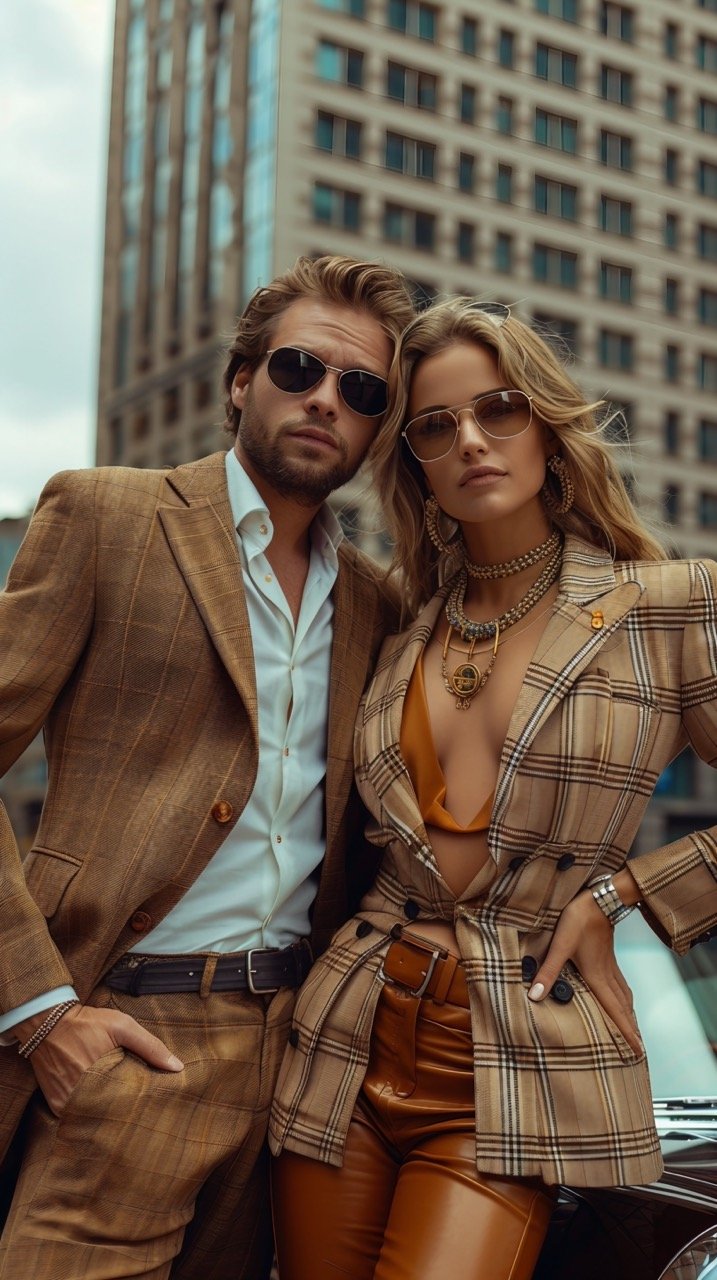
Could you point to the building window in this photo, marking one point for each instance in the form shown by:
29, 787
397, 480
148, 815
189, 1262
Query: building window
336, 207
504, 115
671, 363
465, 242
615, 282
616, 350
556, 65
671, 167
671, 503
467, 104
558, 199
671, 231
671, 41
706, 53
615, 149
710, 5
411, 156
555, 266
559, 132
707, 372
615, 216
354, 8
707, 241
469, 36
506, 49
671, 103
339, 136
671, 424
466, 172
707, 179
616, 85
707, 307
413, 18
334, 62
707, 439
503, 255
617, 21
672, 296
412, 88
707, 115
707, 510
409, 227
504, 184
564, 333
565, 9
171, 407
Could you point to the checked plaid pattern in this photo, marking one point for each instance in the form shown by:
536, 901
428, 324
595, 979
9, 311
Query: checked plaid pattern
602, 711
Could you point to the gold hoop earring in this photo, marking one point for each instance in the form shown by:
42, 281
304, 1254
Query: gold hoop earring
558, 506
432, 515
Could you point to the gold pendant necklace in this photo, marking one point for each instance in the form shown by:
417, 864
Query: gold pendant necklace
467, 679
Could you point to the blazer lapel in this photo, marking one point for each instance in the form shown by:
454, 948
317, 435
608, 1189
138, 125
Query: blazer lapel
589, 609
201, 534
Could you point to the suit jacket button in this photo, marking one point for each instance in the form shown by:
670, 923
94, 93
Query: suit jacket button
528, 968
565, 861
140, 922
223, 811
517, 862
363, 929
411, 909
562, 991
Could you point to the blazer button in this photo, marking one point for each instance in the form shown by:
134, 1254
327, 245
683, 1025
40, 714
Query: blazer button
223, 811
565, 861
293, 1037
528, 968
562, 991
411, 909
517, 862
140, 922
363, 929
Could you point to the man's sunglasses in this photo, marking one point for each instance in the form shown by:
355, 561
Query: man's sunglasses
296, 372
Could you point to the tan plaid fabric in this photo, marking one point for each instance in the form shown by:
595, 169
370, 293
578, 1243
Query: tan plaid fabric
124, 630
603, 709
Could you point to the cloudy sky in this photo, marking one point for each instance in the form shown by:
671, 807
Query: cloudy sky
55, 60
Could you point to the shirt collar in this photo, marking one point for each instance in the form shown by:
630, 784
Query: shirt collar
253, 521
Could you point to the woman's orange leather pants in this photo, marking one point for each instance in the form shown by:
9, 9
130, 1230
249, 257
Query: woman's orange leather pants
408, 1202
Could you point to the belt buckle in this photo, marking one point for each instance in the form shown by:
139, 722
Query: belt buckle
435, 956
257, 991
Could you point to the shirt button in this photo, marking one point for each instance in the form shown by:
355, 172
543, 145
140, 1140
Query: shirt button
223, 811
140, 922
286, 751
263, 528
268, 577
278, 839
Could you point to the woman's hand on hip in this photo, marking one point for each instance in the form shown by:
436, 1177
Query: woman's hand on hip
584, 935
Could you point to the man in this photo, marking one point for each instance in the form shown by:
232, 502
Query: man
195, 643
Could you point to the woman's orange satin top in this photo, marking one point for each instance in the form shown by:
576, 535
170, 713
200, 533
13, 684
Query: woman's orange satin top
418, 750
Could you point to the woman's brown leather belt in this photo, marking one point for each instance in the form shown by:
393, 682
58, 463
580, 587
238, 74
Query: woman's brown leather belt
425, 969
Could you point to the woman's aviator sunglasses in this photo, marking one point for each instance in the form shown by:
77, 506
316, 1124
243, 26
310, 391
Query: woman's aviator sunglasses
296, 372
500, 414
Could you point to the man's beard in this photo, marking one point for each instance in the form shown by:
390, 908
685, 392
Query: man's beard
308, 480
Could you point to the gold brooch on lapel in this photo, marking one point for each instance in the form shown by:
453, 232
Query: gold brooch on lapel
597, 621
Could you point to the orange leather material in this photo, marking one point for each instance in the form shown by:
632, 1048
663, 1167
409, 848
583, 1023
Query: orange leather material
407, 963
419, 752
409, 1200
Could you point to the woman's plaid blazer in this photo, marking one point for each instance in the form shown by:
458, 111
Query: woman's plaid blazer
624, 676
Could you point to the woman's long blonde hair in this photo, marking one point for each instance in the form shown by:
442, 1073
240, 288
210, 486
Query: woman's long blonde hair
602, 512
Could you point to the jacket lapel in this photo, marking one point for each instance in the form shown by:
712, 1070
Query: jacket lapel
198, 523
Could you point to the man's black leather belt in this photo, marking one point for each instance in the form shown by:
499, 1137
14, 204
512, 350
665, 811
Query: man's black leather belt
261, 970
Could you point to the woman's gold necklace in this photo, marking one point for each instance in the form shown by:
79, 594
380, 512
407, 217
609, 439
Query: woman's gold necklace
467, 679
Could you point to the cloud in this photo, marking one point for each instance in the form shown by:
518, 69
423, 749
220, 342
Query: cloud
54, 102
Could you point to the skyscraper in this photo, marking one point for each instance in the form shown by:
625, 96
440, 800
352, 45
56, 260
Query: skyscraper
558, 155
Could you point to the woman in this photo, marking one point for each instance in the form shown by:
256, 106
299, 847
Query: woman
468, 1042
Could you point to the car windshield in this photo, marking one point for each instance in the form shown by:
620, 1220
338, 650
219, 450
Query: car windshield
676, 1009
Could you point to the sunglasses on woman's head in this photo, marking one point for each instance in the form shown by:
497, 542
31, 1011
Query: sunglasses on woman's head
296, 372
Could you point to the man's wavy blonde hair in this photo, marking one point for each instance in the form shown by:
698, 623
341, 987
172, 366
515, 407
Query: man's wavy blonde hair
602, 514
